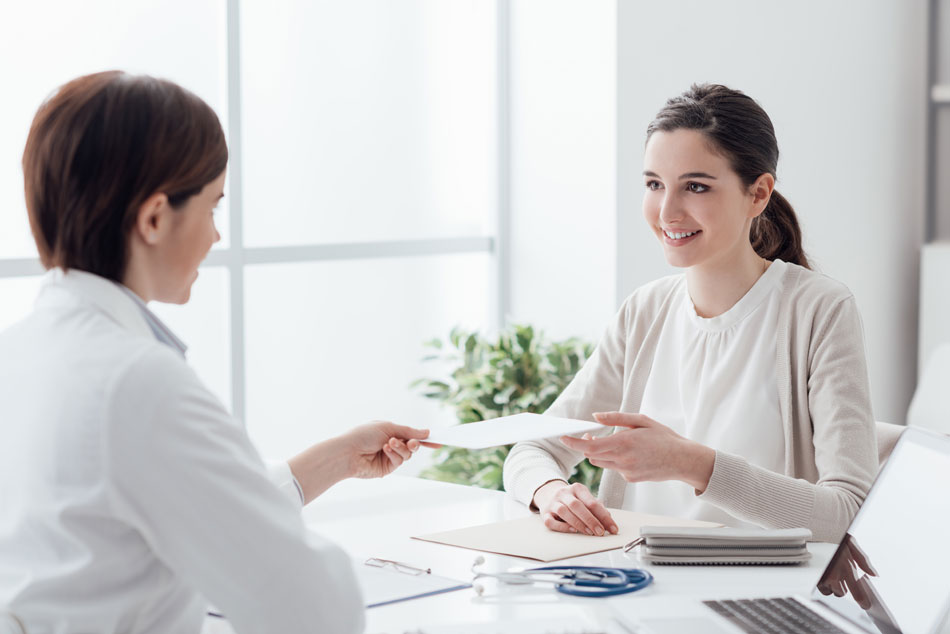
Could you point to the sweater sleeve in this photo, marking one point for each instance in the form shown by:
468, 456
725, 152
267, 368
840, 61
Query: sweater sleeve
843, 435
597, 387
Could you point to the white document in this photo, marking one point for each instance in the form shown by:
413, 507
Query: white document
507, 430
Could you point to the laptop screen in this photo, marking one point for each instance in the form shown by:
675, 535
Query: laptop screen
890, 572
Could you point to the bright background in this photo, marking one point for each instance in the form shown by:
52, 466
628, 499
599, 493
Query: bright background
403, 166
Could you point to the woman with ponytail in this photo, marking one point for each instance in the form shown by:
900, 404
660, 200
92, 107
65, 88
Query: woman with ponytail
736, 392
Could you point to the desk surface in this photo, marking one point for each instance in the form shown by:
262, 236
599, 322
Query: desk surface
375, 518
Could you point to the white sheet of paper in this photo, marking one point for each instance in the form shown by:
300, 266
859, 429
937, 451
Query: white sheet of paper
528, 537
507, 430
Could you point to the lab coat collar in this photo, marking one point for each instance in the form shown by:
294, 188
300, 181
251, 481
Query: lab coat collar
116, 301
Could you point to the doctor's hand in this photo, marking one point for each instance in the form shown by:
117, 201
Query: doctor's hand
646, 451
375, 449
572, 508
368, 451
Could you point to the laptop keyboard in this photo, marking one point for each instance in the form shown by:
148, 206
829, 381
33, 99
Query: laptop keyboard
779, 616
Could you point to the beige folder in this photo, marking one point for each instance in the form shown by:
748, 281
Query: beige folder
528, 537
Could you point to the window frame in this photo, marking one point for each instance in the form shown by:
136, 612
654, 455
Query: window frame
235, 257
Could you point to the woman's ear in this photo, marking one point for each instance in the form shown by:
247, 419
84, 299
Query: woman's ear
151, 222
761, 191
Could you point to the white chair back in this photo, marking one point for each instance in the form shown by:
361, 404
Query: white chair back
930, 407
887, 435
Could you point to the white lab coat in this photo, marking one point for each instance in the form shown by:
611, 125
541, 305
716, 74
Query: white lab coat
130, 498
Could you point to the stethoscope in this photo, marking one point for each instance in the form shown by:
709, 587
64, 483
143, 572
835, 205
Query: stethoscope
578, 581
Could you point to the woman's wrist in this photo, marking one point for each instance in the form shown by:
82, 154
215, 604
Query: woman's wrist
698, 462
542, 492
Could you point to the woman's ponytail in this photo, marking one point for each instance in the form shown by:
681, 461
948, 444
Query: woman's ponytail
775, 233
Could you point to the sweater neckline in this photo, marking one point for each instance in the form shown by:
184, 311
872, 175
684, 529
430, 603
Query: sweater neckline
746, 305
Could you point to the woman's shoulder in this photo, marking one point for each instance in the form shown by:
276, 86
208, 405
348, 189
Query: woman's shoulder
654, 295
809, 287
648, 305
815, 303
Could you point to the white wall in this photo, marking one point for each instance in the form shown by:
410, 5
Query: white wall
844, 82
563, 162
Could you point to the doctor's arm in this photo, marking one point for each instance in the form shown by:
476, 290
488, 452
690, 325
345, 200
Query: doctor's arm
187, 478
372, 450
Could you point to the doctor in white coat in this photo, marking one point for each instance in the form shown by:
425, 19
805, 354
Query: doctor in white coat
129, 497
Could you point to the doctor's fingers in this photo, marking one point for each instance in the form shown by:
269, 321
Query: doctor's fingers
399, 448
405, 433
394, 458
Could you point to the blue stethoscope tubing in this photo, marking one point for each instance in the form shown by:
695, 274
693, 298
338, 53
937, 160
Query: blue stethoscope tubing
584, 581
614, 581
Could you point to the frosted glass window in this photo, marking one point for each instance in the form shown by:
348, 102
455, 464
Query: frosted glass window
45, 43
331, 345
204, 325
367, 120
17, 296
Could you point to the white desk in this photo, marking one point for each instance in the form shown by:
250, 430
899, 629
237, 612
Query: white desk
376, 518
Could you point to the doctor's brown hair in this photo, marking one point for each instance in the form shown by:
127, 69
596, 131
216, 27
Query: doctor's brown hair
98, 148
740, 130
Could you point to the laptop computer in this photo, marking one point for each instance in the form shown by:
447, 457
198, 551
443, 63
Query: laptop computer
889, 574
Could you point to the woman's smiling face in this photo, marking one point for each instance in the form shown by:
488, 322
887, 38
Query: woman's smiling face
694, 202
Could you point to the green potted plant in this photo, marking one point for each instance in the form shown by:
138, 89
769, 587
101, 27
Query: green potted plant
516, 371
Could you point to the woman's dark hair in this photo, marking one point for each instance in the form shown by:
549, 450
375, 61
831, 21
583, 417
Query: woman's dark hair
739, 129
98, 148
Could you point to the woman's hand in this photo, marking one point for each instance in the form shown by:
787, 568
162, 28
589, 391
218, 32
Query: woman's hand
376, 449
849, 572
571, 508
646, 451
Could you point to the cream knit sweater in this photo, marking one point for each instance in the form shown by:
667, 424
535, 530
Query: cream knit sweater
830, 444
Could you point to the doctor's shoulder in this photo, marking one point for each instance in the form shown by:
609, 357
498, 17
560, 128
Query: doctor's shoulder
155, 386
